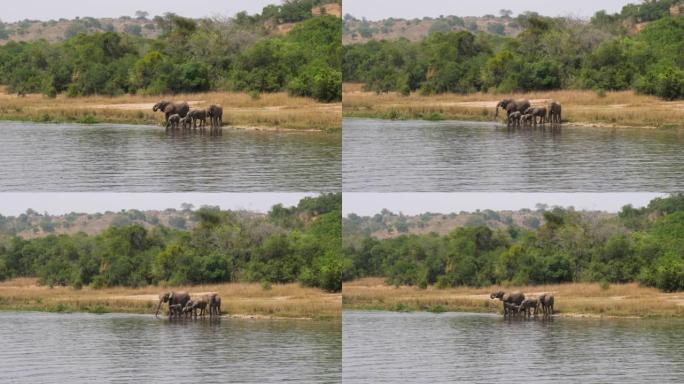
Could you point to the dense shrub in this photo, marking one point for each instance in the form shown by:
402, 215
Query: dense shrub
638, 245
296, 244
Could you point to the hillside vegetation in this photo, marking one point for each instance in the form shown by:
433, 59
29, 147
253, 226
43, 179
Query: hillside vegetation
638, 49
296, 244
638, 245
237, 54
362, 30
387, 224
32, 224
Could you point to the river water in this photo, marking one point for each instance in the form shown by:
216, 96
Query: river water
389, 347
455, 156
120, 348
103, 157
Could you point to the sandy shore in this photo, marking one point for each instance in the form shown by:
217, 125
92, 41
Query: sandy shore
268, 112
580, 300
238, 300
580, 108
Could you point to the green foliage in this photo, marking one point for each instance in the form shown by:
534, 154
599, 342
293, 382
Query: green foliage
300, 244
550, 53
644, 245
189, 56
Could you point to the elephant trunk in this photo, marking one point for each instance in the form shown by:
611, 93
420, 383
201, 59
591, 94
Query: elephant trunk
156, 313
496, 115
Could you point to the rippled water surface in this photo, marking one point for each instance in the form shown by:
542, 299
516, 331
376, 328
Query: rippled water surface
418, 156
384, 347
62, 157
86, 348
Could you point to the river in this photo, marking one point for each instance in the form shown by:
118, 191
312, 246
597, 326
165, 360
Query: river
455, 156
390, 347
121, 348
128, 158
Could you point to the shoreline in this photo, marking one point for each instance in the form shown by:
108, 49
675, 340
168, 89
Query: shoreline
146, 124
239, 300
584, 108
576, 300
266, 112
503, 124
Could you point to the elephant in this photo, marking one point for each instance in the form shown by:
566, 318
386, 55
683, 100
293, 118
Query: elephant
192, 306
537, 112
172, 298
175, 310
526, 120
198, 115
555, 113
528, 305
170, 108
515, 298
215, 114
214, 302
546, 301
186, 122
173, 121
514, 119
510, 106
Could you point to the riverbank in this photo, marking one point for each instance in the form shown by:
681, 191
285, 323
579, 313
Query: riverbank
571, 300
270, 111
580, 108
243, 300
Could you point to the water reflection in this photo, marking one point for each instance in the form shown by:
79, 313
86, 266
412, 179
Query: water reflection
83, 348
384, 347
416, 156
54, 157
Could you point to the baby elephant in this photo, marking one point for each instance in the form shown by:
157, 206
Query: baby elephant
528, 305
173, 121
514, 119
175, 310
198, 115
186, 122
193, 306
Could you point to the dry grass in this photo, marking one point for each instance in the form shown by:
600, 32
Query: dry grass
587, 108
269, 111
576, 299
237, 299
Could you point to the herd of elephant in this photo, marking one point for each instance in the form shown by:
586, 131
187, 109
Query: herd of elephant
516, 304
521, 113
181, 304
178, 115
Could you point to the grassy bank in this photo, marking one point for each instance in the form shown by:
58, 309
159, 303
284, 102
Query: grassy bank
268, 111
576, 299
586, 108
237, 299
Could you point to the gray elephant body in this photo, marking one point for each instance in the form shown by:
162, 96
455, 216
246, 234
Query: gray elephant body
526, 120
195, 305
528, 306
172, 298
215, 114
186, 122
214, 303
173, 121
539, 112
514, 119
515, 298
510, 106
555, 113
546, 302
198, 115
171, 108
175, 310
